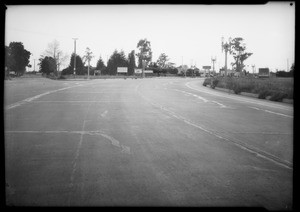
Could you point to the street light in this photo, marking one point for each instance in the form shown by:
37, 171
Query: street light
213, 61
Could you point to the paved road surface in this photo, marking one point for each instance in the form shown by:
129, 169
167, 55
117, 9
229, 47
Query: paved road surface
145, 142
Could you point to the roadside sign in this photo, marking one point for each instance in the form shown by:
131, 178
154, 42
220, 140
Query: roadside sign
138, 70
206, 67
122, 70
263, 72
148, 71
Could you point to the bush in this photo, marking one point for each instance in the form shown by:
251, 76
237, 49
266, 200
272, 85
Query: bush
237, 88
214, 83
278, 96
264, 93
61, 77
206, 81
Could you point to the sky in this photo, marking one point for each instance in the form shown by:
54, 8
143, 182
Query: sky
187, 34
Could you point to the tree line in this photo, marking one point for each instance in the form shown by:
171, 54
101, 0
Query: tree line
17, 59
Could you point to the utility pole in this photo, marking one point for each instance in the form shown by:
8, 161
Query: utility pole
287, 70
34, 65
74, 55
213, 61
58, 63
226, 47
253, 66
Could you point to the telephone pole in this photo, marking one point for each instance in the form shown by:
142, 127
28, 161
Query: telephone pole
74, 55
34, 65
253, 66
58, 63
226, 47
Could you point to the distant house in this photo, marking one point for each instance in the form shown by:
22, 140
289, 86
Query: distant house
263, 72
229, 72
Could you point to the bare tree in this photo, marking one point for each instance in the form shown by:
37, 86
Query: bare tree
54, 51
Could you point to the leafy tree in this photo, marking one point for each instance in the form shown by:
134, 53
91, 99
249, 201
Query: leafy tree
292, 68
156, 69
47, 65
67, 71
80, 70
238, 51
87, 57
131, 63
9, 61
162, 60
79, 65
16, 58
117, 59
101, 66
145, 52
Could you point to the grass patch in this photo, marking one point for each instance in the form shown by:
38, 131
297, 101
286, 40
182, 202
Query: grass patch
277, 88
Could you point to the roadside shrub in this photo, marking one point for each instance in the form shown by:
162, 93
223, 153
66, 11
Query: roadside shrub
61, 77
206, 81
264, 93
278, 96
214, 82
290, 94
236, 87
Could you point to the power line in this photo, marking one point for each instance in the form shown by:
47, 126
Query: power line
34, 32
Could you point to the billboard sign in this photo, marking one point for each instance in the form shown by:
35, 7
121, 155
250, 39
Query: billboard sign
206, 67
138, 70
148, 71
263, 72
122, 70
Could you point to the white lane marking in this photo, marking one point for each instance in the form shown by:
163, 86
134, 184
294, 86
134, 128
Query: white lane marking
114, 142
124, 149
239, 98
255, 108
259, 153
221, 105
191, 94
280, 114
268, 111
19, 103
104, 114
201, 98
79, 101
74, 169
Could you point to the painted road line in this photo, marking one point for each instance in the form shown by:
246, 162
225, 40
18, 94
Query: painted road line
79, 101
30, 99
191, 94
220, 104
201, 98
268, 111
251, 149
104, 114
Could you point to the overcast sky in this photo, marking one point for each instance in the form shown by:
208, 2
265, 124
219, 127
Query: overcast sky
186, 33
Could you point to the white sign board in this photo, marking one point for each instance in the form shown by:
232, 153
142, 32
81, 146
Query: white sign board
137, 70
148, 71
122, 70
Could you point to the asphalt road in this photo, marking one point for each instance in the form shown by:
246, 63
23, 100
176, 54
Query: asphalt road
145, 142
